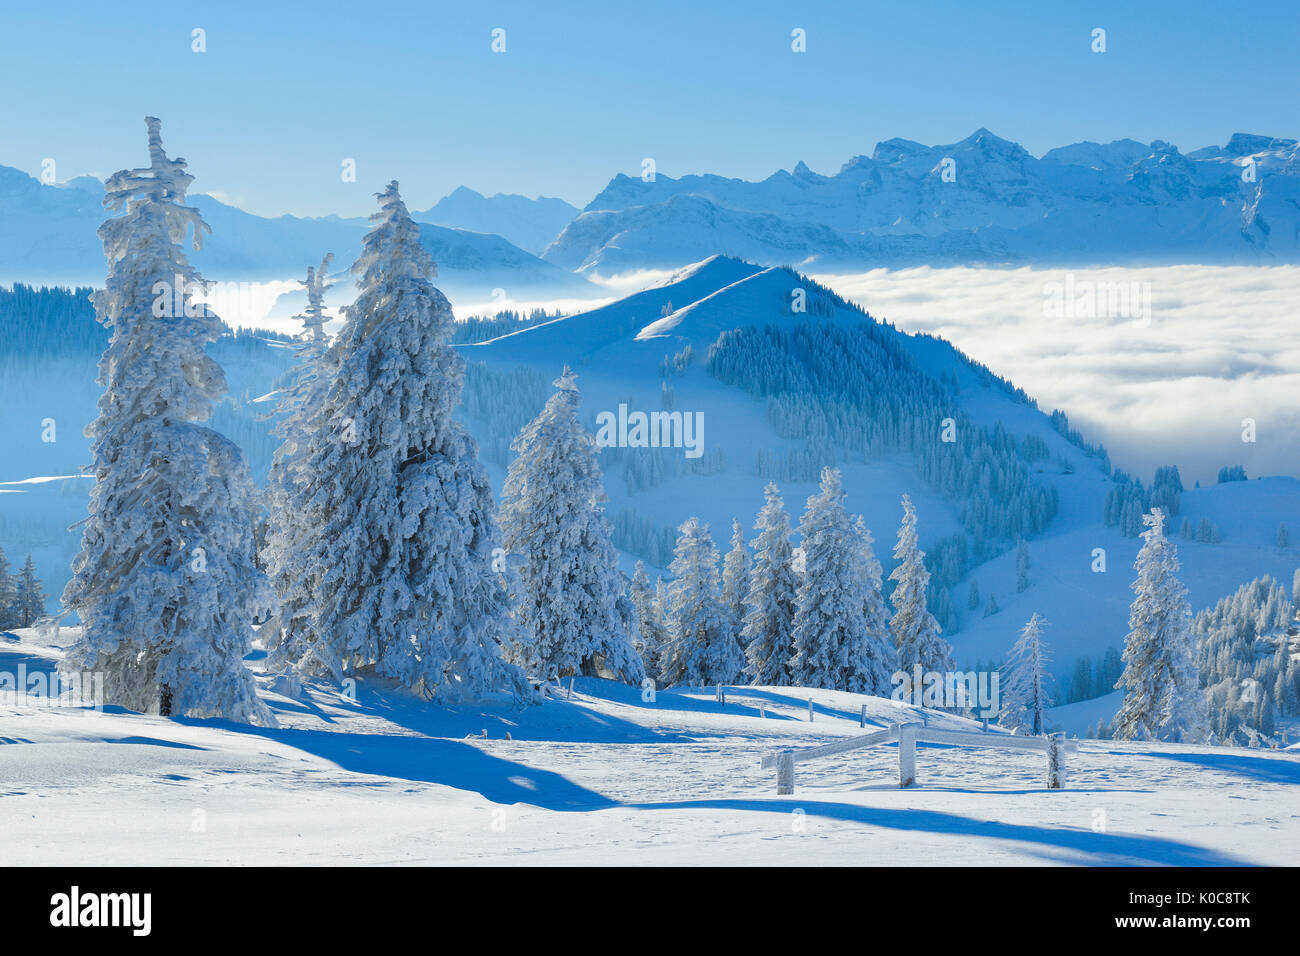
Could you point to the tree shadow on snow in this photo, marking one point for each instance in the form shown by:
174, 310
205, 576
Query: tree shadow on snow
1285, 770
1113, 849
450, 763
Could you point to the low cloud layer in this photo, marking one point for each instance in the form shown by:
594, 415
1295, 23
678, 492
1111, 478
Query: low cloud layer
1162, 372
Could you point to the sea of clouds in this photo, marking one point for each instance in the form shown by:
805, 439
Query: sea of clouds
1161, 364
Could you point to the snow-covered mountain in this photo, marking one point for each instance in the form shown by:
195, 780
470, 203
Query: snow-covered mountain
786, 376
688, 345
528, 223
981, 200
48, 235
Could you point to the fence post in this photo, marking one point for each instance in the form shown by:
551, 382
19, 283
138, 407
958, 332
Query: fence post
906, 756
1055, 761
810, 710
785, 773
862, 718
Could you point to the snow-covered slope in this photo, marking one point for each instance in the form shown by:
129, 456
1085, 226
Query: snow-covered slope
983, 199
602, 778
620, 353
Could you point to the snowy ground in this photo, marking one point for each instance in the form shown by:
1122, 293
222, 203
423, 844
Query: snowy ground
604, 778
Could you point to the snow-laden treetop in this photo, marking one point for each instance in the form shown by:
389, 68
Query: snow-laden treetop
163, 184
393, 253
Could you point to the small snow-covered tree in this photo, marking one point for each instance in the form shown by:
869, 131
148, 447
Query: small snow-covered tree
651, 633
290, 485
768, 630
735, 581
165, 584
1022, 566
30, 599
701, 647
1162, 694
841, 635
1023, 688
572, 603
401, 558
916, 632
9, 594
1283, 536
973, 597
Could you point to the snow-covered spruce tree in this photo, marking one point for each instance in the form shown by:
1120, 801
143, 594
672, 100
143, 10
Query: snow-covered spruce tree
1023, 689
769, 607
165, 584
701, 647
8, 594
400, 561
841, 634
571, 604
1022, 566
301, 398
735, 581
651, 633
30, 597
1162, 693
916, 632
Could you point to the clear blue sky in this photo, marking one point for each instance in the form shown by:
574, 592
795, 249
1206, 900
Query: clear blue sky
412, 91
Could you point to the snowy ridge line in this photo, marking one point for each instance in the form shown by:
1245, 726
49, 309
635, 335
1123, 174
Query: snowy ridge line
661, 327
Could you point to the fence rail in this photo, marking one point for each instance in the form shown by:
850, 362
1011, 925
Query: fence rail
907, 735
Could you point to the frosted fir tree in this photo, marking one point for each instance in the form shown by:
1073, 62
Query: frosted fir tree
1022, 566
702, 648
571, 602
165, 584
30, 597
1023, 685
8, 594
770, 605
401, 560
651, 633
735, 581
301, 399
916, 632
841, 637
1162, 693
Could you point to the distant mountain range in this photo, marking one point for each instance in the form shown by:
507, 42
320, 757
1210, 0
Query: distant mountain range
983, 200
530, 224
48, 235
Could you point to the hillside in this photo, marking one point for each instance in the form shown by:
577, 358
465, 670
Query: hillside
602, 778
882, 397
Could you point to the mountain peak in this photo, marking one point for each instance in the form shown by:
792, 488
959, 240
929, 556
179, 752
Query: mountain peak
1246, 144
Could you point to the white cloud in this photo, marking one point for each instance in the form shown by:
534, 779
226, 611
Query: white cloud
1222, 344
